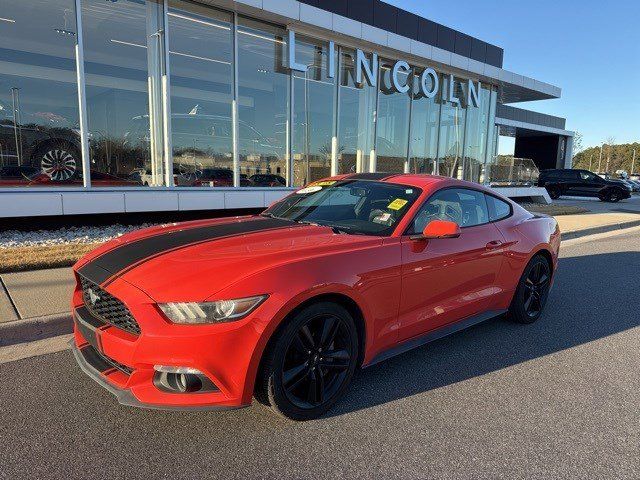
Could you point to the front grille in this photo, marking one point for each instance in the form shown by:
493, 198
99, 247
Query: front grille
107, 307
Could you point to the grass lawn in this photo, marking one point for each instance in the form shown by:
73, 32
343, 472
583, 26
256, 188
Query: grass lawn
36, 258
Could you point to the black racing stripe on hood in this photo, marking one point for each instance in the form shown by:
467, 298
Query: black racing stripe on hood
124, 257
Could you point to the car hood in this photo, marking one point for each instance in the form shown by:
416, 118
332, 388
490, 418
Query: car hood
195, 260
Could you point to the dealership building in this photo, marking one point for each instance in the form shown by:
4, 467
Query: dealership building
111, 106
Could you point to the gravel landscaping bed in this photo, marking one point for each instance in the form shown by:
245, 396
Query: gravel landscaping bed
65, 236
33, 250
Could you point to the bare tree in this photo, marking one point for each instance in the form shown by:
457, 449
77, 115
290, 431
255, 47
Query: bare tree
610, 142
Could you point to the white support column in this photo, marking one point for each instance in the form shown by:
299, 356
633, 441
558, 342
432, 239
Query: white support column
82, 100
234, 106
166, 101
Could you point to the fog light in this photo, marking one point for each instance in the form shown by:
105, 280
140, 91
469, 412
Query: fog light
181, 380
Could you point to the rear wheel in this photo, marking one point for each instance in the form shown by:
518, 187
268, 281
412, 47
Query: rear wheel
309, 365
59, 161
532, 291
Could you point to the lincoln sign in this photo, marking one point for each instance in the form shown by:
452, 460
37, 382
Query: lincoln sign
366, 70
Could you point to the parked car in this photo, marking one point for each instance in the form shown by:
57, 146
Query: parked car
284, 306
219, 177
582, 183
43, 143
268, 180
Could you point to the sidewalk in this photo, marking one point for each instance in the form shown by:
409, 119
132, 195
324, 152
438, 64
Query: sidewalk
35, 304
575, 226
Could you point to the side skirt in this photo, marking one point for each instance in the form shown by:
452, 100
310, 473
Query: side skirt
434, 335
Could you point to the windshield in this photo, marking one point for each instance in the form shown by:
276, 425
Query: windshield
352, 206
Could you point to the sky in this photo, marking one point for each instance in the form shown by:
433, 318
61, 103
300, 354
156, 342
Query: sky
589, 48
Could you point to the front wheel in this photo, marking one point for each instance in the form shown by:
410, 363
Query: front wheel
554, 192
532, 291
310, 363
613, 196
59, 161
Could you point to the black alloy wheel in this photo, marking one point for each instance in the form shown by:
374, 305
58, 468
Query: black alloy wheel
613, 195
310, 364
532, 292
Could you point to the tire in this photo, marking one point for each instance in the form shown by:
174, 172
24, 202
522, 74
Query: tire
613, 195
554, 192
60, 161
532, 291
296, 379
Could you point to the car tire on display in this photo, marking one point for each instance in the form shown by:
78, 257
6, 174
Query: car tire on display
532, 291
309, 363
554, 192
60, 161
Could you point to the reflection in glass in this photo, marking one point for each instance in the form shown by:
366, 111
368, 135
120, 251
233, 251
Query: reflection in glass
392, 134
425, 117
263, 102
452, 118
314, 105
121, 52
476, 135
39, 136
356, 124
201, 56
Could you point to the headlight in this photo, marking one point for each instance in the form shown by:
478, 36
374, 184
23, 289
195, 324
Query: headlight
211, 312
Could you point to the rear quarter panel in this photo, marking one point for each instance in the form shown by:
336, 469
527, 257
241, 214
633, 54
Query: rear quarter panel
525, 235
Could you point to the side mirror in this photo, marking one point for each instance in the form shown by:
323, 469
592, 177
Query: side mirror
439, 229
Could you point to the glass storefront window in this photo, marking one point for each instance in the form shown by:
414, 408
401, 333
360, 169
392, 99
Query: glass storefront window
476, 135
452, 118
356, 123
263, 90
39, 136
392, 134
313, 112
201, 67
122, 57
425, 118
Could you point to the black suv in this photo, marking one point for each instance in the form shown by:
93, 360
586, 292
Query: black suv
582, 183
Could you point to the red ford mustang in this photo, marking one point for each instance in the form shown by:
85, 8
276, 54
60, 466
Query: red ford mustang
284, 306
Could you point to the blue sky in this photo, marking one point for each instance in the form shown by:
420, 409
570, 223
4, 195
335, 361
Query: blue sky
589, 48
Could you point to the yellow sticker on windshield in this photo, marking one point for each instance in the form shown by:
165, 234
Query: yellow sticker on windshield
397, 204
326, 183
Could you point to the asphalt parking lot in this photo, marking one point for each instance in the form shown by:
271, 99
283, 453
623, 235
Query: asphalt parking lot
628, 205
555, 399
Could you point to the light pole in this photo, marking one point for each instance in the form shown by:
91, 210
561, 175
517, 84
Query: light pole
633, 162
590, 159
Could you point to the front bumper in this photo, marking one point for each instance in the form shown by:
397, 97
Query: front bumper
86, 358
123, 363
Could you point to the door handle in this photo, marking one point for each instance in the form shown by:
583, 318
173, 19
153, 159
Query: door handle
493, 244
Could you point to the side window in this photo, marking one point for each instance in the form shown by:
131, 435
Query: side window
498, 209
569, 175
465, 207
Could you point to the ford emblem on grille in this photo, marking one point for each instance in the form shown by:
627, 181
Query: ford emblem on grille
93, 297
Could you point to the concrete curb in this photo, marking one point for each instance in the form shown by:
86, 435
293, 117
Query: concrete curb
601, 229
31, 329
